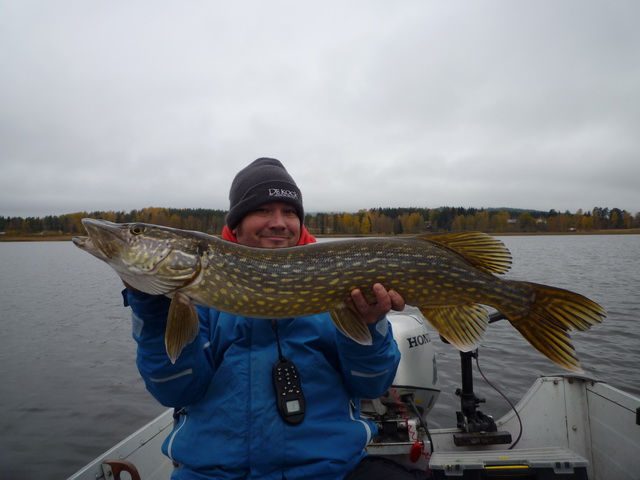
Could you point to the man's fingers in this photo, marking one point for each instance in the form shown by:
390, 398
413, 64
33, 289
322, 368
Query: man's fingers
383, 301
397, 302
374, 311
358, 300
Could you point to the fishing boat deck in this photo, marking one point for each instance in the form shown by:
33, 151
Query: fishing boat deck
568, 422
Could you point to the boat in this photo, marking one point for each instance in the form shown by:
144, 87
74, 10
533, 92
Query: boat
565, 426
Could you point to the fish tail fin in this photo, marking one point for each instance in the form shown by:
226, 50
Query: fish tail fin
351, 325
182, 325
552, 314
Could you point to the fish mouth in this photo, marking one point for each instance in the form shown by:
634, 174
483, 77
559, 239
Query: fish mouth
103, 237
87, 244
106, 240
95, 226
81, 242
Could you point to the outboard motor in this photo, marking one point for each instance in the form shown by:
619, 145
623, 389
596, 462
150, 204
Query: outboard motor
400, 412
417, 373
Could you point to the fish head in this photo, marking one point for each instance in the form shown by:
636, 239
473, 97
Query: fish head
151, 258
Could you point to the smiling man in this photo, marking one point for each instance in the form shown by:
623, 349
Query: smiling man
272, 225
270, 399
266, 207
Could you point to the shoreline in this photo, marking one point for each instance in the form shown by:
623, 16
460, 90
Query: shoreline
36, 237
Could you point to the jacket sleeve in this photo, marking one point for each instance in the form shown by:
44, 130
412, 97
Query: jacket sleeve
368, 370
173, 385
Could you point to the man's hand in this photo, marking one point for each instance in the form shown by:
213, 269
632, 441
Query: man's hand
372, 312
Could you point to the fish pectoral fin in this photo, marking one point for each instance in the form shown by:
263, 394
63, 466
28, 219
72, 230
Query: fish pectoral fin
463, 326
351, 325
483, 251
182, 325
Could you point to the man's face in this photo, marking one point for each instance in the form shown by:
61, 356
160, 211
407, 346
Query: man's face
272, 225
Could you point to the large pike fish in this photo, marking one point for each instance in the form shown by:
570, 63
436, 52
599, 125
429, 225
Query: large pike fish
449, 277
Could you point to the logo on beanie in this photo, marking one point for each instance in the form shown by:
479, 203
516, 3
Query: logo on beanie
280, 192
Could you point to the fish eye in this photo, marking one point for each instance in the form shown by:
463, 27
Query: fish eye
136, 229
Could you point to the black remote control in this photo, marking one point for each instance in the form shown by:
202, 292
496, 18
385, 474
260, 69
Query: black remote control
289, 396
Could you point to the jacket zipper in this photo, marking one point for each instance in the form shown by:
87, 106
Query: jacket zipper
367, 427
172, 436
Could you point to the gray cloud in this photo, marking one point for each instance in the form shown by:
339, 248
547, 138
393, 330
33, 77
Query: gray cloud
116, 106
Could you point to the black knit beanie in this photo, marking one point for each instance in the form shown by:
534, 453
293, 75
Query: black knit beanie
263, 181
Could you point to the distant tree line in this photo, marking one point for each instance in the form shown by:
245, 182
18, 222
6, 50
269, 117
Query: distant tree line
451, 219
200, 219
387, 221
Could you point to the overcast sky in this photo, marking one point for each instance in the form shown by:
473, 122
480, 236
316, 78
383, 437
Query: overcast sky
120, 105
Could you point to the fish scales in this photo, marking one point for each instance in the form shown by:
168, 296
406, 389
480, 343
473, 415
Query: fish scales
450, 277
273, 279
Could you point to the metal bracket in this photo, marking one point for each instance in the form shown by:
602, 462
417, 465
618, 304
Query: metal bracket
112, 468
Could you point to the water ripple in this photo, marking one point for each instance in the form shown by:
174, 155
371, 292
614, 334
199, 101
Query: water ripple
72, 389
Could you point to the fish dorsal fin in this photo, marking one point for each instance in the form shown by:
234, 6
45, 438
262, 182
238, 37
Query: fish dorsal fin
462, 325
483, 251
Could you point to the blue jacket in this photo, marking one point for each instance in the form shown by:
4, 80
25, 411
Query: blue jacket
231, 428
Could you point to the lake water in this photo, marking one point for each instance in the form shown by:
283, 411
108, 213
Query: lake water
69, 388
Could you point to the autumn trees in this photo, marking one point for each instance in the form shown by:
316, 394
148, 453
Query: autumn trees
377, 221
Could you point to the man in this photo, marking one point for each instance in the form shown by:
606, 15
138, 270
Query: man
231, 425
